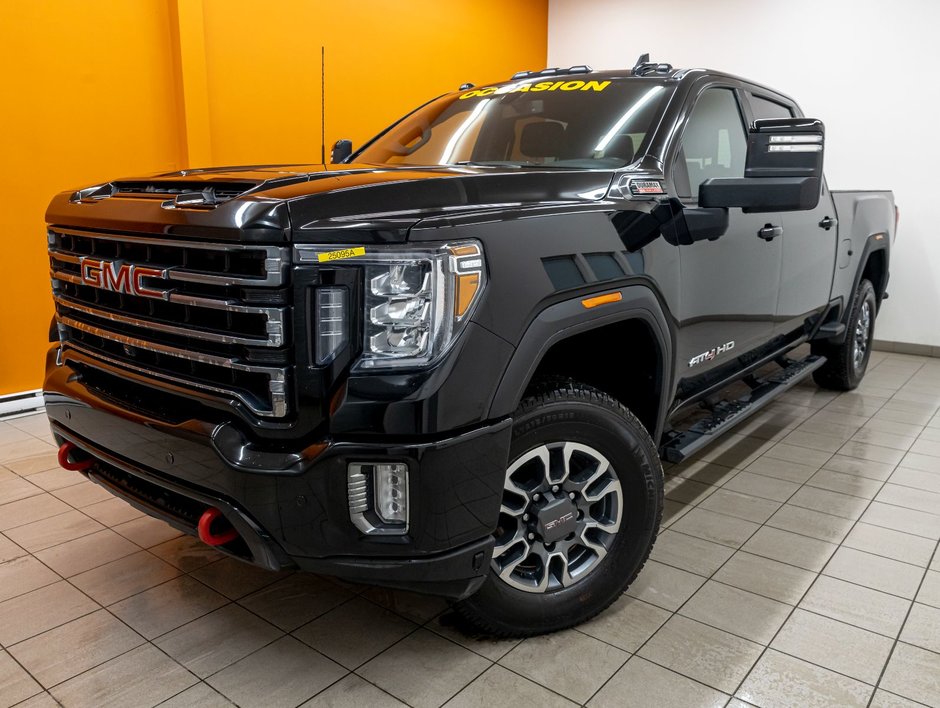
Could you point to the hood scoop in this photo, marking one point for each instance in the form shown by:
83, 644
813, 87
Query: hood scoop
184, 193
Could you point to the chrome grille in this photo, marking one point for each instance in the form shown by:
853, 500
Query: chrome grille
207, 316
212, 263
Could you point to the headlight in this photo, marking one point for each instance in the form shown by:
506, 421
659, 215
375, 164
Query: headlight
416, 300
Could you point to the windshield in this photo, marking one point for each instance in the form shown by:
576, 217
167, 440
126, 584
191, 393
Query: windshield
571, 123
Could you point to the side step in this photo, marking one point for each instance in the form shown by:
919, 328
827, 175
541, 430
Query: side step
729, 413
830, 330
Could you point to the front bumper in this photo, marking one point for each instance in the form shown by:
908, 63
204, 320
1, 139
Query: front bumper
290, 507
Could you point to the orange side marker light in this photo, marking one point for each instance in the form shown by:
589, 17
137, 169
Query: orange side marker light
602, 299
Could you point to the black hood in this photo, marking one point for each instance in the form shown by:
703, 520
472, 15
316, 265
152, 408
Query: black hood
317, 203
388, 202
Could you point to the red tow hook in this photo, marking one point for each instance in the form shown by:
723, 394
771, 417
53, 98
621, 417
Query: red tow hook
66, 449
205, 529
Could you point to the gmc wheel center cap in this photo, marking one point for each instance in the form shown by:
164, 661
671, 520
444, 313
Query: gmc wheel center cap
557, 519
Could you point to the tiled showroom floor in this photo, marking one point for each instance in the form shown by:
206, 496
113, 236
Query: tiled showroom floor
798, 566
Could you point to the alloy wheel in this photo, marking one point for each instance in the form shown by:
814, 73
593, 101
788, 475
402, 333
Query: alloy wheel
862, 333
561, 510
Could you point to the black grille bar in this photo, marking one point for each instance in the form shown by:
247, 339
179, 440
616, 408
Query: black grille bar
214, 263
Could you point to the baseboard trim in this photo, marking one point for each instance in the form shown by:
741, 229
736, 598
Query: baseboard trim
18, 403
883, 345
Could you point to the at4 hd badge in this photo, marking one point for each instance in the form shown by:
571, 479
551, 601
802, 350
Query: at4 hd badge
646, 186
711, 354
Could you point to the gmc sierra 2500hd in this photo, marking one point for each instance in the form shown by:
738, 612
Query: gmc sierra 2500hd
452, 360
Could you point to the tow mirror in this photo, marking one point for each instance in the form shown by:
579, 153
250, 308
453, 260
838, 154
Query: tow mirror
341, 150
783, 171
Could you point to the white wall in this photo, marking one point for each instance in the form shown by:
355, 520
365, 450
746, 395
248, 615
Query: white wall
867, 69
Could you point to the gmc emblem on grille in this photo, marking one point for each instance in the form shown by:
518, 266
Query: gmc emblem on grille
120, 277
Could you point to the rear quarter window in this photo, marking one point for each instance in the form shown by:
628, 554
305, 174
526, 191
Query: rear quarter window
763, 108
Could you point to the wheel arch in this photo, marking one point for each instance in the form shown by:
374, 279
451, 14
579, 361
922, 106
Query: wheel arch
875, 267
553, 341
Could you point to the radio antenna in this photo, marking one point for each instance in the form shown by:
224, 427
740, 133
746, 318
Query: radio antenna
323, 104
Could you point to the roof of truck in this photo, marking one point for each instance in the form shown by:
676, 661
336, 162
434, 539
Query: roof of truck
643, 71
564, 78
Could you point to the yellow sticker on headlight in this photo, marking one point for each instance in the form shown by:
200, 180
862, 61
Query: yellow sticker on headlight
340, 255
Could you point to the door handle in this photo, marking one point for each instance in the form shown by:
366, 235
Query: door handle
827, 223
770, 232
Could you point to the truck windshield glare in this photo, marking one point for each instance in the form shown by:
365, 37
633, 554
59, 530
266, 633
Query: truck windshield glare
569, 124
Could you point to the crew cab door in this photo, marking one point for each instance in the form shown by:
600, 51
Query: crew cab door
728, 286
808, 242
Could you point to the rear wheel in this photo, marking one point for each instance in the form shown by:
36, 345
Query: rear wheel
847, 362
581, 506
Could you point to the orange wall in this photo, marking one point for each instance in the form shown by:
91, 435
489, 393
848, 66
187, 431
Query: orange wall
98, 90
383, 58
87, 95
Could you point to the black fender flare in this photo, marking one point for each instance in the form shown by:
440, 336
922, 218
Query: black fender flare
844, 296
568, 318
873, 244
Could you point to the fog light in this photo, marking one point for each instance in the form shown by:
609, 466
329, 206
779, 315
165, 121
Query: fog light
378, 497
391, 493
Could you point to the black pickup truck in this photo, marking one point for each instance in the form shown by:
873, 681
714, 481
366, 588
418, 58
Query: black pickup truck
452, 360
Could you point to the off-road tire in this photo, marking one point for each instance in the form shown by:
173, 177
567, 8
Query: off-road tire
562, 410
842, 370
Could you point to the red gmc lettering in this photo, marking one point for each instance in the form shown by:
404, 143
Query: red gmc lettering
116, 277
120, 277
139, 287
91, 272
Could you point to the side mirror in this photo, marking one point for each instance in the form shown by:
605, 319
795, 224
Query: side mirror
783, 171
341, 150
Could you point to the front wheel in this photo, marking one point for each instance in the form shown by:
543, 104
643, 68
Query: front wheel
582, 502
847, 362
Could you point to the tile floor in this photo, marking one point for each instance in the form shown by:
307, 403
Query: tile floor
797, 566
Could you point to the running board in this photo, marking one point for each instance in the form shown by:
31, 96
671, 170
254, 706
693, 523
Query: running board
727, 414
